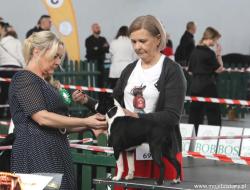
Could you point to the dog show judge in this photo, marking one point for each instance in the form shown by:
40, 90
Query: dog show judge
161, 83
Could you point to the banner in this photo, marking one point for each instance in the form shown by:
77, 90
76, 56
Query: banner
245, 147
187, 130
230, 147
207, 146
63, 18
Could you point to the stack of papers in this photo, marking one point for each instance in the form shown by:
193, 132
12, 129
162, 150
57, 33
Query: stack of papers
34, 182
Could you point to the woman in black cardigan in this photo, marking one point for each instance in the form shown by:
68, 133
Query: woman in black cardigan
164, 92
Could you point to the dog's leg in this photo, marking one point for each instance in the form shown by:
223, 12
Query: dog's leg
120, 168
157, 157
131, 165
177, 166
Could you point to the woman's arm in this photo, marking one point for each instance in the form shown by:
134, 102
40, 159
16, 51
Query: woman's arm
84, 99
218, 52
50, 119
221, 68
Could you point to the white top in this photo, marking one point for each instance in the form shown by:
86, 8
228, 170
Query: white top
14, 47
122, 53
147, 77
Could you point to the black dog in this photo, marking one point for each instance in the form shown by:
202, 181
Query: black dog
6, 154
236, 59
126, 132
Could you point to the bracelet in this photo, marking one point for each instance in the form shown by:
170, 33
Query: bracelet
63, 131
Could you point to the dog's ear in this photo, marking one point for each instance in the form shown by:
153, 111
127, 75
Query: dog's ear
103, 104
103, 96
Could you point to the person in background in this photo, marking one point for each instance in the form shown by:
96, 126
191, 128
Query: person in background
122, 53
44, 23
168, 50
11, 56
11, 31
204, 64
39, 113
162, 85
187, 44
96, 48
2, 24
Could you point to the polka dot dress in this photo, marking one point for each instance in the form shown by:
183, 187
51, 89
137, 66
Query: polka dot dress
38, 148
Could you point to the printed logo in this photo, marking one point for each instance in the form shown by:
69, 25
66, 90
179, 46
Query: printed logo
55, 3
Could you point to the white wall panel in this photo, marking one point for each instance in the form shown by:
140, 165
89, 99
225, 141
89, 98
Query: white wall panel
230, 17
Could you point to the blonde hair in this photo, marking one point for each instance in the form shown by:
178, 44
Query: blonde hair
211, 34
43, 41
152, 25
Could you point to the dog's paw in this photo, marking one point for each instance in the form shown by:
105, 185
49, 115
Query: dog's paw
116, 178
176, 181
159, 182
129, 176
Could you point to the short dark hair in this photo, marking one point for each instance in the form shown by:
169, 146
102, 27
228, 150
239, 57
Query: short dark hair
190, 25
42, 17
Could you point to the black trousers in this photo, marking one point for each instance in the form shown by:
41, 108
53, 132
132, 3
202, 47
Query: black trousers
199, 109
4, 89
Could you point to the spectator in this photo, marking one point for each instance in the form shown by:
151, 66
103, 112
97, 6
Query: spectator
44, 23
12, 32
2, 24
122, 53
96, 48
204, 64
186, 45
11, 56
38, 112
164, 91
168, 50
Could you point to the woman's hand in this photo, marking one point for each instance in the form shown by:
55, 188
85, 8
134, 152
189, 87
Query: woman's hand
98, 132
97, 121
131, 114
80, 96
218, 49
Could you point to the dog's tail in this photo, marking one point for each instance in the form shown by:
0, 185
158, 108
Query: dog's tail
169, 146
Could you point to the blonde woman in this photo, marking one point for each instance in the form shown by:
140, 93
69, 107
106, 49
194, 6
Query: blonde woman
204, 64
37, 111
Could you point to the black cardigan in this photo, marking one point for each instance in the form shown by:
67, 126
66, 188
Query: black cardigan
172, 88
